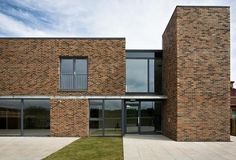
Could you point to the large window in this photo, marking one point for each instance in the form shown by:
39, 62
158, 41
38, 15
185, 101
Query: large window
74, 74
143, 72
105, 118
24, 117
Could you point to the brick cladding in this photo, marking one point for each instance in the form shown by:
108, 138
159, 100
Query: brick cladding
201, 97
69, 117
169, 109
31, 66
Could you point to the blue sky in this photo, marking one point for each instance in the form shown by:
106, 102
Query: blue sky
142, 22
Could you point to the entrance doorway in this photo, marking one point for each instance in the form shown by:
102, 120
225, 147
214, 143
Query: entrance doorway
142, 117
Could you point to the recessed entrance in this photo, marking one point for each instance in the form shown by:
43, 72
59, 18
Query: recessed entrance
142, 117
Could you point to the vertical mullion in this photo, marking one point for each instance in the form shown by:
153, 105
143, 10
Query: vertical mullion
123, 117
74, 73
103, 118
148, 85
22, 117
139, 116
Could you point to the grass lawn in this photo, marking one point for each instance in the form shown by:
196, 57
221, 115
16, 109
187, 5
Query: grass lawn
94, 148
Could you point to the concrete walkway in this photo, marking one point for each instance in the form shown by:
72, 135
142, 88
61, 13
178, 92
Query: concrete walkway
158, 147
31, 148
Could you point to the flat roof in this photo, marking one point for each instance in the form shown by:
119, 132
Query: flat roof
202, 6
62, 37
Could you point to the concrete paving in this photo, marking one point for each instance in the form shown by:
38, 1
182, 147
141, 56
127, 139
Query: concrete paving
158, 147
31, 148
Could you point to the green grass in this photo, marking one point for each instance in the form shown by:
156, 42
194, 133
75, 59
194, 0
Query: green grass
94, 148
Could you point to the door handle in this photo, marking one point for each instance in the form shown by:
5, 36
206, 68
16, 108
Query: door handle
138, 120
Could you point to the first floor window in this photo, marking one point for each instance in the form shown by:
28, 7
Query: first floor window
74, 74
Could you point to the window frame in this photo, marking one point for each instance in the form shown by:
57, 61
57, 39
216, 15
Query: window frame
157, 56
74, 58
148, 74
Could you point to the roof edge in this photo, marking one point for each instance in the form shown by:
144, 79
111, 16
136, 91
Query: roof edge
208, 6
62, 37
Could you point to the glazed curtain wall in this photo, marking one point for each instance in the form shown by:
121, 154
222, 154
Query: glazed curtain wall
24, 117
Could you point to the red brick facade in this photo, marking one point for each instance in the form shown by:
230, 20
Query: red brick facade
31, 66
196, 49
69, 118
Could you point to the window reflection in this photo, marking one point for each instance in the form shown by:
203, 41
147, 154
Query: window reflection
36, 117
143, 72
105, 117
136, 75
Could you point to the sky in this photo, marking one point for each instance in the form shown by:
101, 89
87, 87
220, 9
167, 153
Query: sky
141, 22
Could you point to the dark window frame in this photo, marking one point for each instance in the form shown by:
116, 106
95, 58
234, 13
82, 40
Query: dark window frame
102, 119
74, 58
157, 56
148, 75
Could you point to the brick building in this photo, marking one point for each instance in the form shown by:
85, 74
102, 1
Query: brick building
97, 87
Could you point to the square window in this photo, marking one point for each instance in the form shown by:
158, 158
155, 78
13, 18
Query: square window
74, 74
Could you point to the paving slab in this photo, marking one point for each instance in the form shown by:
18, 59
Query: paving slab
159, 147
31, 148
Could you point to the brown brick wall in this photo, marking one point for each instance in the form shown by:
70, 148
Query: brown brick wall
203, 64
69, 117
169, 109
31, 66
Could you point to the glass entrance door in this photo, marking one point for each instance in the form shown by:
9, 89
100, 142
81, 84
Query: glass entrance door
147, 119
132, 117
143, 117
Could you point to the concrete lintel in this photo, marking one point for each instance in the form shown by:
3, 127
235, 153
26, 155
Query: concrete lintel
157, 97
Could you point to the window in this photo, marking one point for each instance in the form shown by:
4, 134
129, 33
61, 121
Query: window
143, 72
105, 117
30, 117
74, 74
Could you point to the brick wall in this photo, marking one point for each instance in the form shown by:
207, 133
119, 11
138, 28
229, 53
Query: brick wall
69, 118
31, 66
169, 109
203, 62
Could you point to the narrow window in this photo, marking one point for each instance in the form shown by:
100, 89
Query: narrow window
74, 74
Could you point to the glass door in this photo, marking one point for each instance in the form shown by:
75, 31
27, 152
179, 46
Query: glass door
143, 117
147, 121
132, 117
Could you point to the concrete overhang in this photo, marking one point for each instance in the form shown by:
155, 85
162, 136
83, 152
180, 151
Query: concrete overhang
144, 97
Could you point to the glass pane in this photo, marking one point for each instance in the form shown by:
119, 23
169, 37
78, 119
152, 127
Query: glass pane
36, 117
136, 75
10, 113
96, 127
81, 66
147, 117
112, 115
112, 109
81, 82
157, 116
66, 66
95, 111
97, 101
158, 76
151, 75
112, 126
132, 118
67, 81
234, 114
